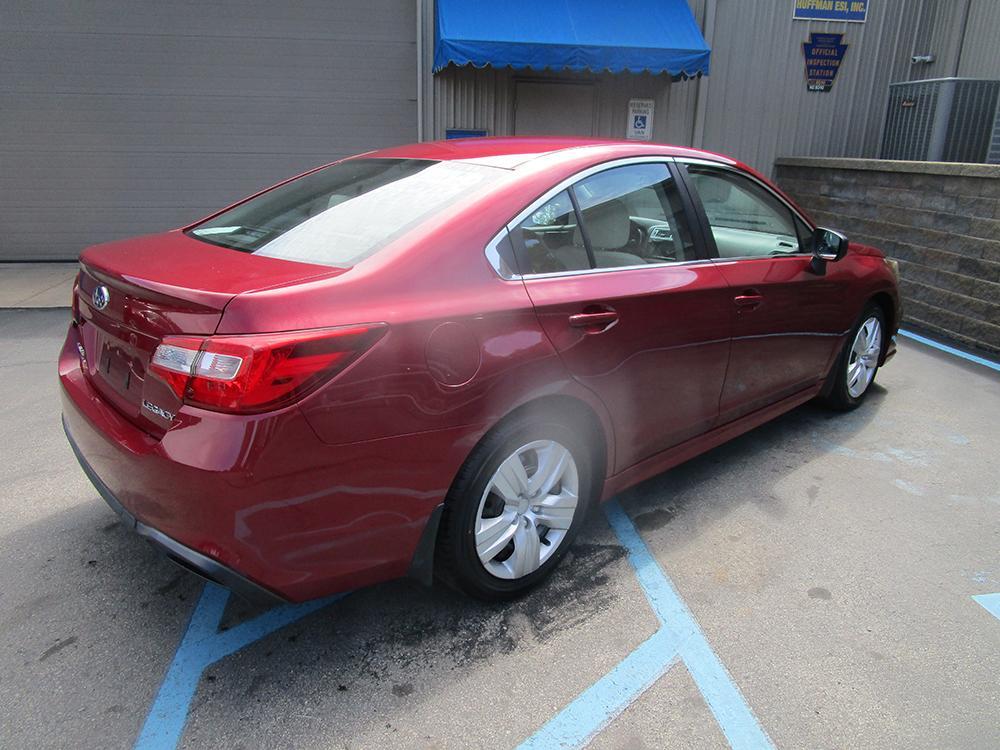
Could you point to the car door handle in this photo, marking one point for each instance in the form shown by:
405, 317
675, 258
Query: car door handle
594, 322
751, 299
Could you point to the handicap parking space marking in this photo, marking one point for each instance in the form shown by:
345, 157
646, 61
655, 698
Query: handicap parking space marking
202, 645
989, 602
678, 639
950, 349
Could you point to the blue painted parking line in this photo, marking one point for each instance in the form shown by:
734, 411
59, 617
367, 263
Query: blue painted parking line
678, 638
203, 645
989, 602
598, 705
950, 350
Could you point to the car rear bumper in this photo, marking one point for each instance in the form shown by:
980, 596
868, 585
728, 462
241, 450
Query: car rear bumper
184, 556
259, 502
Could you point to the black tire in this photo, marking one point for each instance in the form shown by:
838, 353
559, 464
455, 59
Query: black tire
837, 393
457, 562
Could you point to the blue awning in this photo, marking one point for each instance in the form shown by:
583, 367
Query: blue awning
659, 36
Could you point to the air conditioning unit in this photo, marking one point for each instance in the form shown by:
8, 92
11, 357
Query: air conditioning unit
943, 119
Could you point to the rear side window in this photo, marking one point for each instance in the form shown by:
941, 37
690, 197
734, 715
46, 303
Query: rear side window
344, 213
549, 240
628, 216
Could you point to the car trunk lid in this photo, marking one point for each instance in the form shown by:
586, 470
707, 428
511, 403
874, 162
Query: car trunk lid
133, 293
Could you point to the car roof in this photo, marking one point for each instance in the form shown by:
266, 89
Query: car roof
510, 151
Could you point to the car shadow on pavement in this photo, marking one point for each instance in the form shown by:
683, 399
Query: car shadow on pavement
765, 455
107, 613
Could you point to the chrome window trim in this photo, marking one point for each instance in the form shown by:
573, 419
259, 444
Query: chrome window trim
770, 191
590, 271
493, 255
503, 270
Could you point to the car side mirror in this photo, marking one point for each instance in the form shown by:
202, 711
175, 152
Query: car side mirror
828, 247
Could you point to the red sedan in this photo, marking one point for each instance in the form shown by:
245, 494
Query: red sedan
435, 359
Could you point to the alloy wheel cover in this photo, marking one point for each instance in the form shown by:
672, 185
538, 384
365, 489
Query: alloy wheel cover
863, 358
526, 509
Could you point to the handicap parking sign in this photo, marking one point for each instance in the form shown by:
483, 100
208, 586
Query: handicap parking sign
640, 120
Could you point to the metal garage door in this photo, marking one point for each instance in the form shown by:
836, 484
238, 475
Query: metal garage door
119, 117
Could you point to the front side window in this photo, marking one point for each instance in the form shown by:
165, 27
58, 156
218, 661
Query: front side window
628, 216
342, 214
747, 221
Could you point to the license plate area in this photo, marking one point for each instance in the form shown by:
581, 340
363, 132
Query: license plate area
119, 368
122, 368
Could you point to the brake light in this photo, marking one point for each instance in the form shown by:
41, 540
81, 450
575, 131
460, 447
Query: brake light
252, 373
75, 302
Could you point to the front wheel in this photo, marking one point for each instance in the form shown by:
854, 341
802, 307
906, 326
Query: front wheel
855, 368
514, 509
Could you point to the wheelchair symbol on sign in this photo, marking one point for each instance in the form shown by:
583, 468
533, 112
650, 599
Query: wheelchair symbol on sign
639, 122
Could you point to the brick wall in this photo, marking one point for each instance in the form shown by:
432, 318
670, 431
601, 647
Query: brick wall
940, 221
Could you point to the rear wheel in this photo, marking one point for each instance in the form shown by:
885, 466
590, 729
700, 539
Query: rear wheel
515, 508
858, 362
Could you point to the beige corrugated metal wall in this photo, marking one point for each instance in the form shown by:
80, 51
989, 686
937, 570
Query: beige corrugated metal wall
468, 98
757, 105
980, 53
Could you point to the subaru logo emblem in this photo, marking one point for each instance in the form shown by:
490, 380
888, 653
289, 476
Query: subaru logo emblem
101, 297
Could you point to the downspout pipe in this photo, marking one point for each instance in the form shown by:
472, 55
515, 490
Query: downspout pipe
701, 94
420, 71
961, 40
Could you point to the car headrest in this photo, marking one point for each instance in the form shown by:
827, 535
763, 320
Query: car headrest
713, 189
608, 225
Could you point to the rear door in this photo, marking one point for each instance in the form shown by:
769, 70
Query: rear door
788, 318
625, 293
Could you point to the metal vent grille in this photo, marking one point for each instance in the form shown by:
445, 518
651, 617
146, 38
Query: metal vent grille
908, 125
993, 157
946, 119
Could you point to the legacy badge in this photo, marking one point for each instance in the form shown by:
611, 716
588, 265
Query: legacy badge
157, 410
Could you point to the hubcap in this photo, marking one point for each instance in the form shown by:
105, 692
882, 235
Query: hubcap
863, 361
526, 509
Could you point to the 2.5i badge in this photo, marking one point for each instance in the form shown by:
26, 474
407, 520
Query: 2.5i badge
158, 410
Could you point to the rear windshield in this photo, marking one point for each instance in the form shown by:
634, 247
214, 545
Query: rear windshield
341, 214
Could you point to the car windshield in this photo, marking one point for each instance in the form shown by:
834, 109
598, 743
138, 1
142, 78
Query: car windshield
341, 214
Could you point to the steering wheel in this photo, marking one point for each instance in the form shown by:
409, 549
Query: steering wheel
636, 238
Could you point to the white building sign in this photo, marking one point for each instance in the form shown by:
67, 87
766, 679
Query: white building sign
640, 120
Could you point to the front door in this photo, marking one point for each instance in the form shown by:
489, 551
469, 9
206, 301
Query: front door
628, 300
789, 319
547, 108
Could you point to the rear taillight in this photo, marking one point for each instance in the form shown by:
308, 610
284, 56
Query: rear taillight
75, 303
259, 372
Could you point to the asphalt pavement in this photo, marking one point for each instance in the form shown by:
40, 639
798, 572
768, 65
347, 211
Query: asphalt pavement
828, 560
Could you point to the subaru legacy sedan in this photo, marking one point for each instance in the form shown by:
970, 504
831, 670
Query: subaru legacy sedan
434, 360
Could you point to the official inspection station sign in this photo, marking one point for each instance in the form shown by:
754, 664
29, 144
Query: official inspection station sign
824, 53
830, 10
